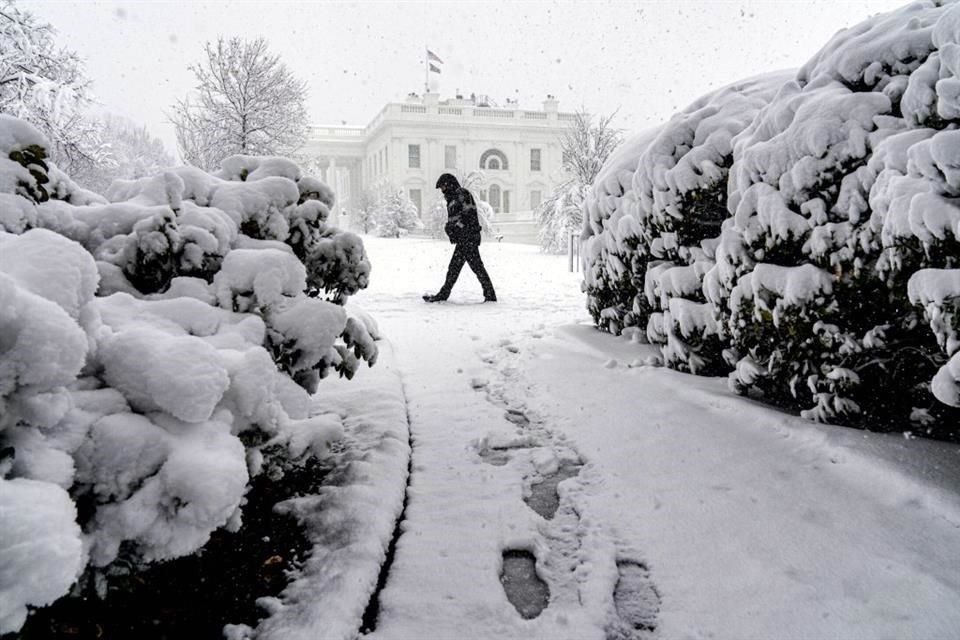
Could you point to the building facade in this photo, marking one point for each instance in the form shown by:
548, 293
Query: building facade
409, 144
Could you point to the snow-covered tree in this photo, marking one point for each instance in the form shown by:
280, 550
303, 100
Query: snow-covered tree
435, 218
585, 146
247, 102
364, 212
130, 152
396, 213
45, 85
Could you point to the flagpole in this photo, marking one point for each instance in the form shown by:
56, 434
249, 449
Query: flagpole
426, 70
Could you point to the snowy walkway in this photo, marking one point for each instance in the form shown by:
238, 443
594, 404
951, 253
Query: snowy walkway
752, 524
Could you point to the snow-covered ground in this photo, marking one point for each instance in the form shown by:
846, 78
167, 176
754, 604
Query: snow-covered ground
695, 511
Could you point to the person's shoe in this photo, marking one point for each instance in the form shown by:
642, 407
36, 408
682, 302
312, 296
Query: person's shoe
490, 298
434, 297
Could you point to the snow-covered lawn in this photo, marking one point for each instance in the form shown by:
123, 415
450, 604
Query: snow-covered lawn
695, 511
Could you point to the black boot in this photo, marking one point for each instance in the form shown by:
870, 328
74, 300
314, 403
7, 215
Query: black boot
434, 297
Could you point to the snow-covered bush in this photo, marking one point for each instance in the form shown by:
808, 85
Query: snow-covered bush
613, 253
830, 286
841, 191
681, 189
672, 200
153, 347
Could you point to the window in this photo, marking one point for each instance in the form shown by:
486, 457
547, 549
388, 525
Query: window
493, 157
413, 156
535, 198
416, 198
506, 202
534, 159
494, 193
450, 157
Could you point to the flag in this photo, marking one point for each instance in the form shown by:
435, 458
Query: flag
432, 57
434, 68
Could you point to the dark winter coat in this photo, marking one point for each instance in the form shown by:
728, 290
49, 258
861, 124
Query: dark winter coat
463, 225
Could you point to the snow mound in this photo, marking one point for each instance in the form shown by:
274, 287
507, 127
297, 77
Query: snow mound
40, 549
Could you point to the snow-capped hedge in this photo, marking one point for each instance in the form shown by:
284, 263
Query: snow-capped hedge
831, 286
152, 347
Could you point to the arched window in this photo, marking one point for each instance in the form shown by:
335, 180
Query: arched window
494, 197
494, 159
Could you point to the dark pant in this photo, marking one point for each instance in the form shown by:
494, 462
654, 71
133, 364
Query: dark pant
469, 253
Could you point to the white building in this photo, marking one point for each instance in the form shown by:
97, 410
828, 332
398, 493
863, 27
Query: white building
408, 145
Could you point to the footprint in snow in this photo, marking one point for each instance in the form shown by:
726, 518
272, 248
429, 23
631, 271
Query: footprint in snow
637, 602
525, 590
544, 498
517, 417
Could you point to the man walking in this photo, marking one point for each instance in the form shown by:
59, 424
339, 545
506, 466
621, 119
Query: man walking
463, 229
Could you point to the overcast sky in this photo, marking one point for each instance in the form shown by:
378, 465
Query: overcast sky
646, 59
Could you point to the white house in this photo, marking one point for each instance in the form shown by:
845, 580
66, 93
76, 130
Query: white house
409, 144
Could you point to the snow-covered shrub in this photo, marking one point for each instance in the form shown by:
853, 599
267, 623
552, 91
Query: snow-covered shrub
681, 189
830, 286
841, 191
23, 166
150, 350
337, 265
613, 253
660, 199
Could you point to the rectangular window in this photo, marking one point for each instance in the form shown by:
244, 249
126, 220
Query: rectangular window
416, 198
386, 159
449, 157
535, 198
506, 202
413, 156
534, 159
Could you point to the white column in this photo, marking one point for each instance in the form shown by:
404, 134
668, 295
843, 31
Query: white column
356, 184
322, 168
